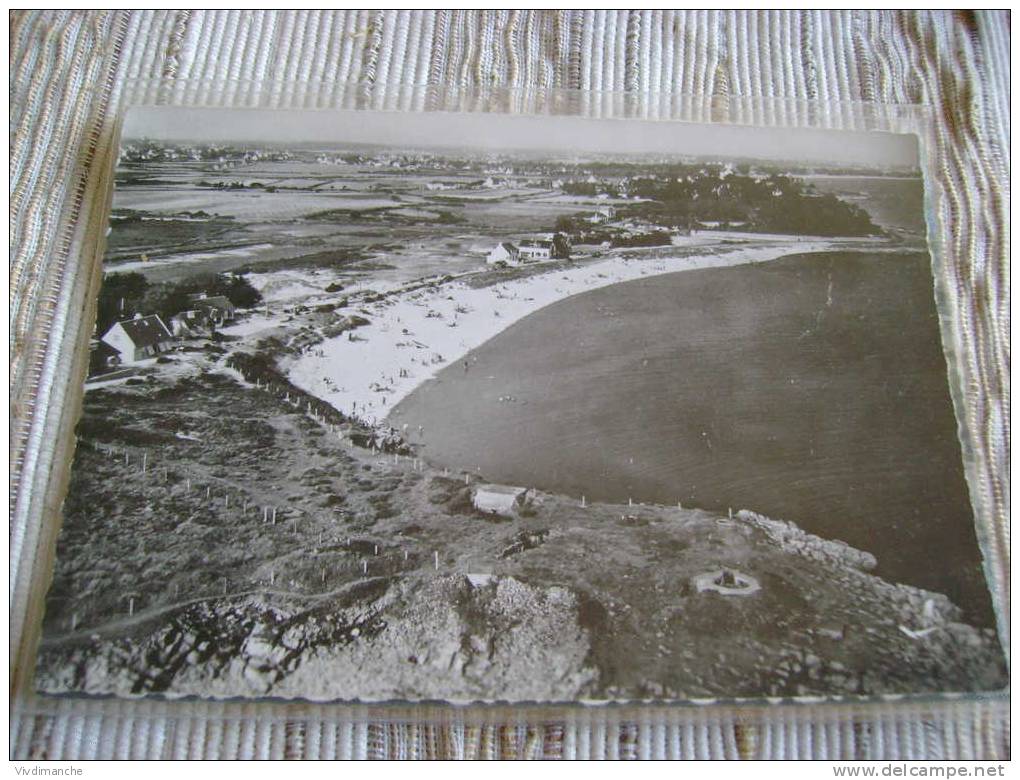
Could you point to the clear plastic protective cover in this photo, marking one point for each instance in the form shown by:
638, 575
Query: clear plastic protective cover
564, 612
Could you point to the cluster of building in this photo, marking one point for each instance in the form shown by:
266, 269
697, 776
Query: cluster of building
215, 156
145, 336
555, 247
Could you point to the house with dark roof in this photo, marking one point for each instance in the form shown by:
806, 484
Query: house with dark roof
536, 250
191, 323
555, 247
217, 308
139, 338
102, 357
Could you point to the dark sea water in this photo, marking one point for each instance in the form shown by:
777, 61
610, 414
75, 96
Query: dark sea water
893, 202
812, 388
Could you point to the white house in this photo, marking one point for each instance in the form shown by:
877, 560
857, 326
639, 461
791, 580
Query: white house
602, 215
504, 252
498, 499
139, 338
536, 250
556, 246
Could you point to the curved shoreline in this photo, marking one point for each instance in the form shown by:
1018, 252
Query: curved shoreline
414, 335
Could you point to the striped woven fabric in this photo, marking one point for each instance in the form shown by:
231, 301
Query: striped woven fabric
72, 75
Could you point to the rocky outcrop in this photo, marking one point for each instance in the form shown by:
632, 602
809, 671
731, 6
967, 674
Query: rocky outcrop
455, 636
793, 539
448, 638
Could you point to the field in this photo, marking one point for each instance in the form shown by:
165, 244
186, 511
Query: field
172, 208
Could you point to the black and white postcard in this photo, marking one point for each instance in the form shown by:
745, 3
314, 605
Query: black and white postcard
475, 407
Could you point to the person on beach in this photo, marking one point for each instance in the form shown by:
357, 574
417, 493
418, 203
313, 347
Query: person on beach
465, 366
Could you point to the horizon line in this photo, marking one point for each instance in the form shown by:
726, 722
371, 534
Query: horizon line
521, 133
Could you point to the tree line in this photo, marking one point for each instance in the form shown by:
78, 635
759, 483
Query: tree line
775, 203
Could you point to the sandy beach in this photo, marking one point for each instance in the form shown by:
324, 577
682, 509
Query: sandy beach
414, 335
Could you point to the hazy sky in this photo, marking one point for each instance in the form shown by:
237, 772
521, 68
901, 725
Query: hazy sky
562, 134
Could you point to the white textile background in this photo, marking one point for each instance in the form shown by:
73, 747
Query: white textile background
72, 73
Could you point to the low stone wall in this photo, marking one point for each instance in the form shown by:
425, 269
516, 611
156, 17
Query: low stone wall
915, 606
794, 539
